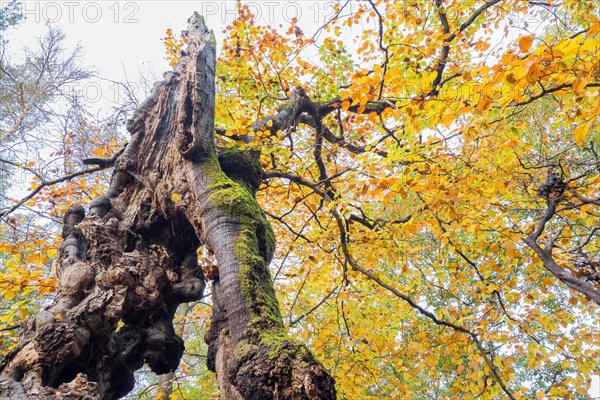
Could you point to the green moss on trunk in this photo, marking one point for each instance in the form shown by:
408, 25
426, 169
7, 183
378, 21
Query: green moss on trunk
265, 354
253, 248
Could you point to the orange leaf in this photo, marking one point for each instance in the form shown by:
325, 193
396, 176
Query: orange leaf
483, 104
579, 85
594, 28
573, 301
539, 395
510, 78
448, 119
525, 43
532, 73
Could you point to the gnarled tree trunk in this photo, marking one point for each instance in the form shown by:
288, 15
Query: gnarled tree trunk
127, 263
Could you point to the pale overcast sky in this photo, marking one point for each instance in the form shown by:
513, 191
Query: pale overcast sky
122, 38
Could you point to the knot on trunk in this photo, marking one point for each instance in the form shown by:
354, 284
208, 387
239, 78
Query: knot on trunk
74, 215
553, 189
241, 168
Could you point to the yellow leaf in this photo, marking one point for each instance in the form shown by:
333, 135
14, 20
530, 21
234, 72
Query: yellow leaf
345, 105
58, 317
270, 123
22, 313
525, 43
9, 295
581, 132
51, 253
175, 197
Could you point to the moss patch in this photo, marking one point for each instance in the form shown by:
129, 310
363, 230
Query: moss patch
253, 248
276, 359
266, 353
241, 168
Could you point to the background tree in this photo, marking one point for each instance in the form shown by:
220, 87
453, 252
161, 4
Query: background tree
46, 129
9, 15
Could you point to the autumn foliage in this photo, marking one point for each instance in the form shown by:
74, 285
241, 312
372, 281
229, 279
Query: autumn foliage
436, 212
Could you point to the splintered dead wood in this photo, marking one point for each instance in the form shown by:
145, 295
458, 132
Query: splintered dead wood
131, 259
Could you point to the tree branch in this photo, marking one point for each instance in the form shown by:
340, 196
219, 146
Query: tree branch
44, 184
104, 162
385, 49
313, 309
589, 290
10, 328
445, 51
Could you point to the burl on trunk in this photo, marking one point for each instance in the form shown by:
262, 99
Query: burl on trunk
126, 264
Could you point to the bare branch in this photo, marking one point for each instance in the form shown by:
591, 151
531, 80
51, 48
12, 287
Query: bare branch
104, 162
314, 308
10, 328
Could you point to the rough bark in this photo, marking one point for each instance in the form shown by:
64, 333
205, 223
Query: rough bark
131, 259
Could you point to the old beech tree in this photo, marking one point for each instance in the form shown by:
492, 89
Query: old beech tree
430, 170
133, 258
